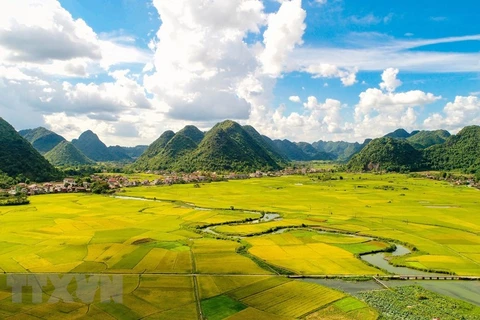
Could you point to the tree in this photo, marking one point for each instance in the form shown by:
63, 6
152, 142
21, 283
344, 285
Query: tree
477, 176
100, 187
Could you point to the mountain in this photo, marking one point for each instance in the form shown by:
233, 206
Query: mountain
341, 150
226, 147
460, 151
387, 154
156, 148
267, 144
425, 139
300, 151
167, 149
193, 133
66, 154
91, 146
180, 145
119, 153
229, 147
135, 152
313, 153
398, 134
290, 150
19, 157
42, 139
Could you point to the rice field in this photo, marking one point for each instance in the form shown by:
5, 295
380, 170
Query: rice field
305, 253
172, 269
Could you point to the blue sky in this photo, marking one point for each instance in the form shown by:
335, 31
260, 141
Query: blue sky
303, 70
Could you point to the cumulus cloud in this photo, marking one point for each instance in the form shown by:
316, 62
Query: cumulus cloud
295, 99
201, 57
325, 70
37, 31
40, 35
457, 114
390, 81
379, 111
285, 30
319, 120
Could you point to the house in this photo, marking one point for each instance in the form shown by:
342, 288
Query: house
70, 181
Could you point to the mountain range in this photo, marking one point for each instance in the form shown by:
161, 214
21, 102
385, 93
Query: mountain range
229, 146
454, 152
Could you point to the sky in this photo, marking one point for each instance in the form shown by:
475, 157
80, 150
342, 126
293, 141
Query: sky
301, 70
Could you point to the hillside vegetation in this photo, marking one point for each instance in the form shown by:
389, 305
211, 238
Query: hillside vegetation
226, 147
42, 139
66, 154
460, 151
387, 154
90, 145
18, 158
425, 139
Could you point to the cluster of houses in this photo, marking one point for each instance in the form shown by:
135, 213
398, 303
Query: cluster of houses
70, 184
459, 180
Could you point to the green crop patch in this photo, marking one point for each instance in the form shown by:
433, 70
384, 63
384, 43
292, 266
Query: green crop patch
221, 307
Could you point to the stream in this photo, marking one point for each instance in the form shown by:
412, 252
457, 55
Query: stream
376, 259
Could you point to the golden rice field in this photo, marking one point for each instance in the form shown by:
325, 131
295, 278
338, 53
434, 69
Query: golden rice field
441, 220
171, 269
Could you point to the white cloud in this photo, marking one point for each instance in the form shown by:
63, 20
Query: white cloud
201, 58
295, 99
12, 73
324, 70
370, 19
379, 111
41, 36
390, 81
321, 1
457, 114
39, 31
377, 52
285, 30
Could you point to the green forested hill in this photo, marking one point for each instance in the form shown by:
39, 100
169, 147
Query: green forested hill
314, 154
155, 149
19, 158
167, 150
91, 146
460, 151
341, 150
42, 139
425, 139
226, 147
135, 152
267, 144
387, 154
398, 134
66, 154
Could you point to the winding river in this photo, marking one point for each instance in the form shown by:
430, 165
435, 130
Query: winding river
376, 259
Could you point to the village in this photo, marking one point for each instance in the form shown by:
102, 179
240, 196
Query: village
118, 181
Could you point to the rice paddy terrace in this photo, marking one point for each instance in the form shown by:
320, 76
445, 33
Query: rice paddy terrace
231, 250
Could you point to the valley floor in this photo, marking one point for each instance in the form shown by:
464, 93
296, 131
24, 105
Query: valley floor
225, 250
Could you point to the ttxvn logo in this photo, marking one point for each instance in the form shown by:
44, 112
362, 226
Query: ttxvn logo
51, 288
